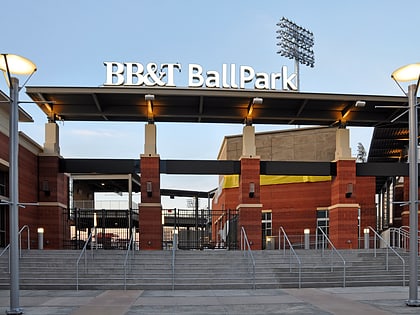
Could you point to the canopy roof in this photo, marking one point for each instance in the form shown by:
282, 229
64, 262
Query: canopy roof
216, 106
198, 105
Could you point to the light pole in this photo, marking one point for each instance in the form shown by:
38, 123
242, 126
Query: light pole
405, 74
12, 65
296, 43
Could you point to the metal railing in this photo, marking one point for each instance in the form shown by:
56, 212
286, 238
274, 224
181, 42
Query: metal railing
246, 248
28, 245
174, 248
127, 261
400, 238
2, 253
291, 251
387, 252
20, 244
83, 253
333, 250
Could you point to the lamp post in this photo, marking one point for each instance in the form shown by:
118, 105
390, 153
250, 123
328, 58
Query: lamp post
11, 65
404, 74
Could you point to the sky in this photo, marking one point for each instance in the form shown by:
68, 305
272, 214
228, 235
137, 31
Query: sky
357, 46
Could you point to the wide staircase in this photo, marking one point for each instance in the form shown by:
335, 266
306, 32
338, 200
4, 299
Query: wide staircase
207, 269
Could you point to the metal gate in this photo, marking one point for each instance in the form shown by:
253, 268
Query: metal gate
111, 228
200, 229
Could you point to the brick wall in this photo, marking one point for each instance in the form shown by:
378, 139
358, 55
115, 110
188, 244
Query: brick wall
150, 209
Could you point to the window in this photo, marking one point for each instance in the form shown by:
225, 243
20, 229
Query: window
266, 226
323, 223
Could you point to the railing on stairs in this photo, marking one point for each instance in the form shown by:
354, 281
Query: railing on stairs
83, 254
292, 253
400, 238
388, 247
174, 248
20, 244
246, 248
333, 250
28, 245
128, 258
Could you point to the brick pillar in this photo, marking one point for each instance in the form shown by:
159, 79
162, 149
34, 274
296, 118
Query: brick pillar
343, 212
366, 188
249, 201
53, 202
150, 208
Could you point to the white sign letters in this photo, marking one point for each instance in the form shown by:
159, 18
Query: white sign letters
231, 76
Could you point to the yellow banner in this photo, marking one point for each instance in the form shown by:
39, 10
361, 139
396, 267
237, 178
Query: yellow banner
232, 181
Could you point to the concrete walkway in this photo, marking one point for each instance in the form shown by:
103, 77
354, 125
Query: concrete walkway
364, 300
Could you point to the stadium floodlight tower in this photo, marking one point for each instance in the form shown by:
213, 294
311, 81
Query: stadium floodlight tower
295, 43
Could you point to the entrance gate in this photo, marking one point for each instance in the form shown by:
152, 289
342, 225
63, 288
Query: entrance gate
201, 229
111, 228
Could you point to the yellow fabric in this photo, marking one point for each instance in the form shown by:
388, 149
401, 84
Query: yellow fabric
232, 181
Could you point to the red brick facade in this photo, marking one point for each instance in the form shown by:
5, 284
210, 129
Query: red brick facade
249, 200
294, 206
150, 209
40, 182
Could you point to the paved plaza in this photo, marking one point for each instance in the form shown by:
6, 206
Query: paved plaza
363, 300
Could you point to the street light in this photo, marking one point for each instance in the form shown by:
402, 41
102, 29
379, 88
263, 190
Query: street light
405, 74
11, 65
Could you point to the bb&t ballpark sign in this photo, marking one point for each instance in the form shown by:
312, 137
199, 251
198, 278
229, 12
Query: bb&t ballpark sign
231, 76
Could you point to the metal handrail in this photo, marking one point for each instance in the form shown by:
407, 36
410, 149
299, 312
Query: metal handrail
333, 249
247, 251
20, 244
387, 252
291, 250
400, 237
3, 251
174, 248
130, 248
80, 257
20, 239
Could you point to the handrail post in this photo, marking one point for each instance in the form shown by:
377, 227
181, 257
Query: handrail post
130, 248
389, 247
338, 254
82, 253
247, 248
292, 251
375, 244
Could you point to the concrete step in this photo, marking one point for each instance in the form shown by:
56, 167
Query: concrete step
208, 269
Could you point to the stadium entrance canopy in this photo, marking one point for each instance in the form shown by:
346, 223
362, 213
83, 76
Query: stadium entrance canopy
246, 106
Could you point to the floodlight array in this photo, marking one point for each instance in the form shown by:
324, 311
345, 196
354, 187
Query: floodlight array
296, 42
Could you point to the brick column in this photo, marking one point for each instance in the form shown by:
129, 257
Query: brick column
53, 202
53, 192
150, 208
343, 212
249, 201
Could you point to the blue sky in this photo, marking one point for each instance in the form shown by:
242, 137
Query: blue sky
357, 45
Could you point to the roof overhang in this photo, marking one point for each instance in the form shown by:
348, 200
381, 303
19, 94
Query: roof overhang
195, 105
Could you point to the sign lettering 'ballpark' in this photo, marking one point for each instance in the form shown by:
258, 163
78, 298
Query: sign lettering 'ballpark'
231, 76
